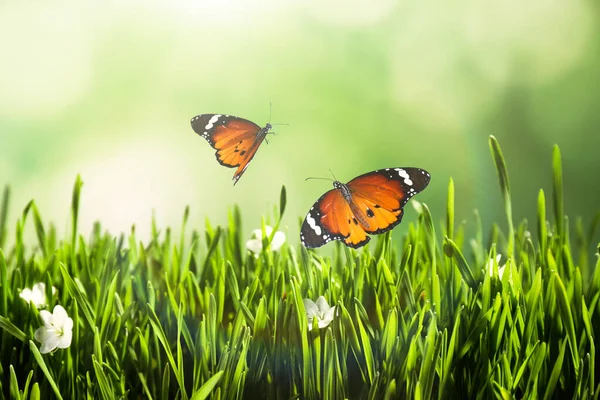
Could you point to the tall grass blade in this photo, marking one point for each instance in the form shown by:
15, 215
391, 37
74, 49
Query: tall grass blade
505, 189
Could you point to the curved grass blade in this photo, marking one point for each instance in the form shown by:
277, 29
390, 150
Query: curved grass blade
564, 308
206, 389
504, 188
556, 372
541, 224
162, 338
40, 360
453, 251
4, 214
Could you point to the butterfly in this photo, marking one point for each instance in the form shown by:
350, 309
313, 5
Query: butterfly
372, 203
235, 139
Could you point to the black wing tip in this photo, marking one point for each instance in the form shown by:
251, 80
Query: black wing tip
194, 123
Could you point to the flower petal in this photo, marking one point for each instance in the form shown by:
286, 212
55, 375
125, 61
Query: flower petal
268, 230
48, 338
322, 304
39, 287
48, 346
278, 240
65, 338
329, 314
41, 333
327, 317
254, 245
47, 318
26, 294
68, 325
311, 308
256, 234
60, 315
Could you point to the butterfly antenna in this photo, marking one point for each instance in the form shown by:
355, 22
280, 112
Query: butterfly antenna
334, 178
312, 177
270, 111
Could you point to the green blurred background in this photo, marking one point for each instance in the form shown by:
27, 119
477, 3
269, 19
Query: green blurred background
107, 90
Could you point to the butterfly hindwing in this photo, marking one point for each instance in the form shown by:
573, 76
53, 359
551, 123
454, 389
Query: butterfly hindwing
235, 139
331, 218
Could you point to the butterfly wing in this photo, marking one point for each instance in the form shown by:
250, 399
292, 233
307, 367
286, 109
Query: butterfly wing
331, 218
381, 195
235, 139
376, 206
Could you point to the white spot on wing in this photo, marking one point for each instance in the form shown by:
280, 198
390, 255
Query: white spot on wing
404, 174
313, 224
211, 121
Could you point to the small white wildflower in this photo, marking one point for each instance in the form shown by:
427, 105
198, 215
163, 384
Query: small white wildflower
57, 331
36, 295
501, 268
255, 244
319, 310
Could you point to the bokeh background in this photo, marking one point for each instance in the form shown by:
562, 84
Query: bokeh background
107, 89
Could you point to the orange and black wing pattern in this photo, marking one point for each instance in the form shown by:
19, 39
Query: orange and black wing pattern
235, 139
381, 195
331, 218
372, 203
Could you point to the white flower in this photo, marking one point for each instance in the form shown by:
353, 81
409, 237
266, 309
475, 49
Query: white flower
255, 244
501, 268
319, 310
57, 330
36, 295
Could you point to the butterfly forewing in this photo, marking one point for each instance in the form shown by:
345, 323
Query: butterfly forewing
235, 139
375, 205
382, 194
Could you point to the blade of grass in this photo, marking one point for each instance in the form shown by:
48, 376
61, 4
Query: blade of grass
505, 189
3, 214
556, 372
162, 338
557, 191
206, 389
450, 210
9, 327
4, 288
44, 368
75, 210
567, 319
452, 250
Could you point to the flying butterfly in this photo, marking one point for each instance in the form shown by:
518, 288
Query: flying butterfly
235, 139
372, 203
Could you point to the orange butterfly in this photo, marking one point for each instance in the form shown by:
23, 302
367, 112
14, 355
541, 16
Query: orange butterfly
371, 203
235, 139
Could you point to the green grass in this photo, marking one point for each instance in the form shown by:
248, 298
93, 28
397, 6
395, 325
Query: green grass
202, 318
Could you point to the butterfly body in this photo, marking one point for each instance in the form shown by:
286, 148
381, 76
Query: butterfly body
235, 139
369, 204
